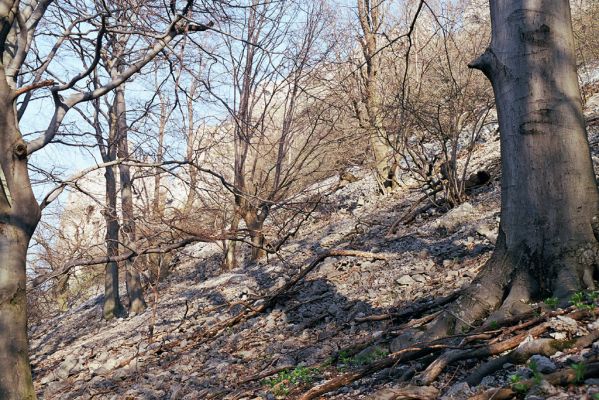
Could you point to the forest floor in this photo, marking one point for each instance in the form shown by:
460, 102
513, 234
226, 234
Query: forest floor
258, 332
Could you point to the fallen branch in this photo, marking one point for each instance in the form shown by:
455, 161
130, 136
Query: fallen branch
411, 312
436, 367
264, 303
404, 355
413, 212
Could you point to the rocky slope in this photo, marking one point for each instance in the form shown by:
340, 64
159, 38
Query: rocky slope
182, 348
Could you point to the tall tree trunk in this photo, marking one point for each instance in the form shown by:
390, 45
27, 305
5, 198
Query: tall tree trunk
112, 303
137, 303
192, 145
370, 17
549, 196
157, 202
19, 215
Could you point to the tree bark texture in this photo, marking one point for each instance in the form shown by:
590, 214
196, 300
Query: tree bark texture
112, 304
137, 303
549, 197
19, 215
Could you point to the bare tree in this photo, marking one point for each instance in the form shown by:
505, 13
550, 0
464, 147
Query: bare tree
276, 141
547, 243
371, 16
444, 107
19, 211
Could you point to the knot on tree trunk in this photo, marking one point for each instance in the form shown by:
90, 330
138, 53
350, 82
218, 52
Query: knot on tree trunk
20, 150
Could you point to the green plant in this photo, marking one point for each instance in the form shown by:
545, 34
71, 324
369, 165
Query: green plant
552, 302
282, 383
577, 299
361, 359
595, 396
517, 384
494, 325
536, 375
579, 370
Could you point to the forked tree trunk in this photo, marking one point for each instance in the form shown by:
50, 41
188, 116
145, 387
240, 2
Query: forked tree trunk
137, 303
19, 215
549, 196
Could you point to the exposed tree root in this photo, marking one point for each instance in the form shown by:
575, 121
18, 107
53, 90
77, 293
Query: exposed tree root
413, 311
498, 345
394, 358
409, 393
561, 378
510, 280
545, 347
435, 368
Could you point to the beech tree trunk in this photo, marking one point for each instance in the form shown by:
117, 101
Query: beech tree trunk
549, 199
137, 303
112, 304
19, 215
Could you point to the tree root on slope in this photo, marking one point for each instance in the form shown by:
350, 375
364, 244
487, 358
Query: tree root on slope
496, 343
561, 378
545, 347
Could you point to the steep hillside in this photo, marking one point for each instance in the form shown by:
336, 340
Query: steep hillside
238, 335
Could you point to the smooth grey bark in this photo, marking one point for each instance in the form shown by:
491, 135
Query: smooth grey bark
137, 303
112, 307
549, 197
192, 144
19, 215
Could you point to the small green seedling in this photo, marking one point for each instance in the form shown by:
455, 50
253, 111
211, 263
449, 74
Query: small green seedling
494, 325
579, 371
348, 361
578, 300
517, 384
282, 383
552, 302
537, 377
